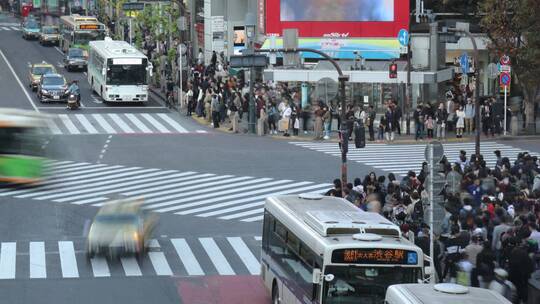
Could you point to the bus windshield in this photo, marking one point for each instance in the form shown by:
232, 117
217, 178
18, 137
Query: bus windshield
50, 30
85, 37
126, 74
364, 284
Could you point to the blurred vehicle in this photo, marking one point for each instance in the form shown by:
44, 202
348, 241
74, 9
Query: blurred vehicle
52, 87
49, 35
30, 29
120, 228
21, 136
37, 70
72, 102
445, 293
75, 59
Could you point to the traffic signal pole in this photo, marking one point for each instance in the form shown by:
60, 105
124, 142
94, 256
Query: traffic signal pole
342, 78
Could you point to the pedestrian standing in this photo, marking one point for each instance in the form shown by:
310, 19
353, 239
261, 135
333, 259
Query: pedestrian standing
208, 105
487, 119
430, 124
235, 105
441, 119
469, 116
318, 127
370, 121
399, 115
273, 117
285, 119
418, 117
215, 107
460, 124
295, 122
390, 123
327, 119
382, 127
189, 101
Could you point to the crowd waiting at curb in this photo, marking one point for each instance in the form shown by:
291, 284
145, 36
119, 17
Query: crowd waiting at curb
491, 229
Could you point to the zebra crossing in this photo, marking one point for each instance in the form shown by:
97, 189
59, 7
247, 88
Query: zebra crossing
400, 159
7, 26
191, 256
114, 123
227, 197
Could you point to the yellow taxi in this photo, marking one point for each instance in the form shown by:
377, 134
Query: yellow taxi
120, 228
36, 71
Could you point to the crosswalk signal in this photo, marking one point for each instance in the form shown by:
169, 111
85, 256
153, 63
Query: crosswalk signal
392, 70
359, 135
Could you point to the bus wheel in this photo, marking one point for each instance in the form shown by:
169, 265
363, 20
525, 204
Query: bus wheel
275, 294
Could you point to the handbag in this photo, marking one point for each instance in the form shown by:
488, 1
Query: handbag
283, 124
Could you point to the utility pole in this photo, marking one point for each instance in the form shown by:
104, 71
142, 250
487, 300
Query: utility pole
250, 24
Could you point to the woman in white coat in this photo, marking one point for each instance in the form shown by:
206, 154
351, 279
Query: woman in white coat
460, 124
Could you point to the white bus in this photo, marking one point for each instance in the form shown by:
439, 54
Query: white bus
445, 293
118, 72
318, 249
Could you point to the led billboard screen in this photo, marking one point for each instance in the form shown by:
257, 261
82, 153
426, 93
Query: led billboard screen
337, 10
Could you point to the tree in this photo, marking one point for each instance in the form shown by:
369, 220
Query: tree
513, 27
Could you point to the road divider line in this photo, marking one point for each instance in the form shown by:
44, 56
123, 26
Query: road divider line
38, 269
19, 81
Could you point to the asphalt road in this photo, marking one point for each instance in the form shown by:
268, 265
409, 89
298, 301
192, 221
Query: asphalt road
208, 188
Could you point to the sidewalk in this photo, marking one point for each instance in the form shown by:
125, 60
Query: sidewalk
226, 127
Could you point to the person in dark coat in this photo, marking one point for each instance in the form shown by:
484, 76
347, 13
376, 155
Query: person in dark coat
521, 266
399, 115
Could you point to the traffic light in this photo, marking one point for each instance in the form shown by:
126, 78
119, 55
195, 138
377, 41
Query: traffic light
392, 70
359, 135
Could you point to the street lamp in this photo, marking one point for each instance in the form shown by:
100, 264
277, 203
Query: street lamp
250, 23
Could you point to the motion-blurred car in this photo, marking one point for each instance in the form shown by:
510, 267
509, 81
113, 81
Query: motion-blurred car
31, 29
120, 228
52, 87
49, 35
37, 70
75, 59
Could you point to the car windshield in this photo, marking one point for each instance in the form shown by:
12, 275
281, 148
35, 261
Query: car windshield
41, 70
55, 81
50, 30
31, 25
364, 284
76, 53
126, 74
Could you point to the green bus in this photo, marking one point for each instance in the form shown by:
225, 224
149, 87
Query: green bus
76, 31
21, 155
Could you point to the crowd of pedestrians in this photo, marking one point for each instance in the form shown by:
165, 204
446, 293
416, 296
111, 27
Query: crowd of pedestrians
491, 230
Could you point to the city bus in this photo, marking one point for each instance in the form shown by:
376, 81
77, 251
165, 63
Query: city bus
444, 293
318, 249
21, 139
77, 31
118, 72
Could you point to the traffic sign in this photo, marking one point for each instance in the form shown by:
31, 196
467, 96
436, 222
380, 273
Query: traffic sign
464, 62
505, 79
438, 151
133, 6
403, 37
505, 60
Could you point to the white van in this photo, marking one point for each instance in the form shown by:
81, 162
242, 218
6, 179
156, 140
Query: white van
444, 293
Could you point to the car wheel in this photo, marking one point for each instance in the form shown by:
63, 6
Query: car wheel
275, 294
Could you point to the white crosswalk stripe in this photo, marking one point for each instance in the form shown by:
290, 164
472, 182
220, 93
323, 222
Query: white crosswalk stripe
400, 159
112, 123
230, 197
191, 256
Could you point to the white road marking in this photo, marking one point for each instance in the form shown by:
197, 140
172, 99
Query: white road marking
216, 256
161, 128
38, 268
100, 267
172, 123
245, 255
124, 126
138, 123
69, 124
68, 260
131, 267
160, 264
187, 257
53, 127
59, 50
104, 124
86, 124
8, 260
19, 81
5, 28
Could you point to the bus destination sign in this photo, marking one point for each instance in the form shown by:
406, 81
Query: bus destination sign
375, 256
89, 26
